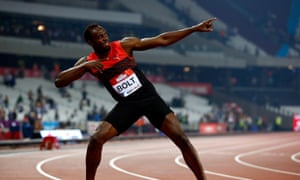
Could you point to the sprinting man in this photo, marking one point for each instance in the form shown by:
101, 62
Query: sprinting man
114, 65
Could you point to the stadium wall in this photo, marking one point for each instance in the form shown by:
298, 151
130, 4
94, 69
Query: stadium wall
70, 12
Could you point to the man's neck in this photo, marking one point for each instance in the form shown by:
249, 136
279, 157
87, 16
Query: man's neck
102, 53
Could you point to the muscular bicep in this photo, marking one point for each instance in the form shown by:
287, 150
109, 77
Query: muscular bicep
83, 60
69, 75
133, 43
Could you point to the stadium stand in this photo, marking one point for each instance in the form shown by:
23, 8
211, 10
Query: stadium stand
242, 70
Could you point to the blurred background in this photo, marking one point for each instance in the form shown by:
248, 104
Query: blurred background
243, 77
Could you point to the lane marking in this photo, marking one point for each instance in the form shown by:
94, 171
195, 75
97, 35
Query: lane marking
39, 166
294, 157
177, 161
238, 157
17, 153
41, 163
113, 161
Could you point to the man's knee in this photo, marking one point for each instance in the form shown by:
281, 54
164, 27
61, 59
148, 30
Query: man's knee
179, 138
103, 133
97, 139
182, 140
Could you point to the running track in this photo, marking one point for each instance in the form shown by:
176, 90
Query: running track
264, 156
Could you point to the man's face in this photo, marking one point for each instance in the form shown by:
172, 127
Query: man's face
100, 40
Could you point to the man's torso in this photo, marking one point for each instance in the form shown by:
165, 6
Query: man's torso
121, 76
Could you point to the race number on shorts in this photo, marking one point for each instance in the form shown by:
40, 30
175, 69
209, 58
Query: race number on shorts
126, 83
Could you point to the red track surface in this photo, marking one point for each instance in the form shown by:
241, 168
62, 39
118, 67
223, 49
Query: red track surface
274, 156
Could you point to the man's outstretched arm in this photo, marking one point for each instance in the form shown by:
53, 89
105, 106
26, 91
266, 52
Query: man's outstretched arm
166, 38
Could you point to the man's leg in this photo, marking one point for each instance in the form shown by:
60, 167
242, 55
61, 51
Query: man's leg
104, 132
173, 130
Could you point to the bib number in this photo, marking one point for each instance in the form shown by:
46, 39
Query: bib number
126, 83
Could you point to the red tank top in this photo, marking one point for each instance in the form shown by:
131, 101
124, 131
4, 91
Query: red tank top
116, 54
120, 75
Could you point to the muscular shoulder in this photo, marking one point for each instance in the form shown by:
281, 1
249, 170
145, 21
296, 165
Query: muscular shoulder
134, 43
130, 43
129, 40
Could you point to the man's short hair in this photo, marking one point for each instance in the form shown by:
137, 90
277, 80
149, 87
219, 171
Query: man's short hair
87, 32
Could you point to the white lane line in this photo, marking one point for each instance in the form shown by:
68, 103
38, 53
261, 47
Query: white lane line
41, 163
177, 161
114, 166
112, 163
294, 157
17, 154
238, 157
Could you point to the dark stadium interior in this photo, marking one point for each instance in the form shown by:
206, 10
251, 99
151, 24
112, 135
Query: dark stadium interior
262, 38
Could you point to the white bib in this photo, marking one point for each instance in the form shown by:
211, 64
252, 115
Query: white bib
126, 83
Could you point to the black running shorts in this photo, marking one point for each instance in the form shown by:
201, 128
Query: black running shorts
125, 114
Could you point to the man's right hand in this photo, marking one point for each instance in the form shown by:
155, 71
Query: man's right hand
94, 64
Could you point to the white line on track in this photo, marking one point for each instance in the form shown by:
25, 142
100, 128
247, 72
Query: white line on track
239, 156
114, 166
218, 149
17, 154
112, 163
177, 161
294, 157
41, 163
